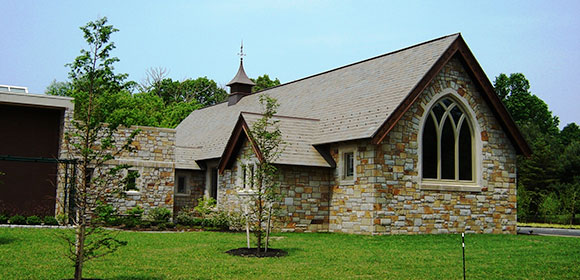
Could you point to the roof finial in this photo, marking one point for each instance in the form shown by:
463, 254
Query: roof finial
242, 54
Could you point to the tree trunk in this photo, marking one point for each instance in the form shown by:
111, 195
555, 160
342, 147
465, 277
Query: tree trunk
268, 228
80, 247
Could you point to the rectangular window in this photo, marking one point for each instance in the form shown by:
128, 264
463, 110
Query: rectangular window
89, 176
181, 188
131, 180
348, 165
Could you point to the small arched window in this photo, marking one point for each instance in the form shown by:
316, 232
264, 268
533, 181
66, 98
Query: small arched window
447, 143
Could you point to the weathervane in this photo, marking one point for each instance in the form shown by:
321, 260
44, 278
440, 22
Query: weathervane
242, 54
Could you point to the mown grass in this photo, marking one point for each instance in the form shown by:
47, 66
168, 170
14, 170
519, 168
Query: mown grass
544, 225
38, 254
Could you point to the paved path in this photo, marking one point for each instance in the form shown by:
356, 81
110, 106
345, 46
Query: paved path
549, 231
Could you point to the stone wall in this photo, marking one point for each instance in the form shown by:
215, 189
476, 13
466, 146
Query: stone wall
387, 194
405, 204
152, 158
195, 187
304, 192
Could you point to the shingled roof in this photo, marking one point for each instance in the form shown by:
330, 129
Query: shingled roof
355, 101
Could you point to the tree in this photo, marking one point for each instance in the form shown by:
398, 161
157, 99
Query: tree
91, 142
264, 82
267, 137
59, 88
201, 90
569, 134
524, 107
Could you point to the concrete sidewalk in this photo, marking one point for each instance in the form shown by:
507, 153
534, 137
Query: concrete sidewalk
549, 231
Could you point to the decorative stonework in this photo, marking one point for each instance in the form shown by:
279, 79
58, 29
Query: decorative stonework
387, 196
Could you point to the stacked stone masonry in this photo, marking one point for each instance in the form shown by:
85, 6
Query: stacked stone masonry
388, 195
152, 158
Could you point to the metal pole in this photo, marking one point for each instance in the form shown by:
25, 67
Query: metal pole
463, 248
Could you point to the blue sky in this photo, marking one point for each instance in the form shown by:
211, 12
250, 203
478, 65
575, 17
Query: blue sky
294, 39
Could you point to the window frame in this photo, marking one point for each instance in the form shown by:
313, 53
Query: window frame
126, 179
343, 152
185, 188
473, 185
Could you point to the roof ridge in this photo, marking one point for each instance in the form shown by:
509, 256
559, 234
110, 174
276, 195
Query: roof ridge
361, 61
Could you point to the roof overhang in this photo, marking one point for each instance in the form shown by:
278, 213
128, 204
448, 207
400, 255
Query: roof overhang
459, 49
36, 100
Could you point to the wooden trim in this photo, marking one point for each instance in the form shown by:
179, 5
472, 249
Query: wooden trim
241, 131
392, 120
497, 106
459, 48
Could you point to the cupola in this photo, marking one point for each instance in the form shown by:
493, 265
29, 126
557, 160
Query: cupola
240, 85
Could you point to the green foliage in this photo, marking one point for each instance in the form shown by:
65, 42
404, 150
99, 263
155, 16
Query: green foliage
266, 135
62, 219
33, 220
95, 87
105, 213
550, 206
50, 220
3, 219
569, 134
133, 217
59, 88
522, 104
205, 205
264, 82
545, 177
186, 217
159, 215
17, 220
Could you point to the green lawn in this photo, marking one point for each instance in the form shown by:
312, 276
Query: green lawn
38, 254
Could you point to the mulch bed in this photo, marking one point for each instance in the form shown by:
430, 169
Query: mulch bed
253, 252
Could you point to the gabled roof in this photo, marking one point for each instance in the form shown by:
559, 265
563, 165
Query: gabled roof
356, 101
297, 136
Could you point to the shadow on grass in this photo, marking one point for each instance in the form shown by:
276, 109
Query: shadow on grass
6, 240
126, 277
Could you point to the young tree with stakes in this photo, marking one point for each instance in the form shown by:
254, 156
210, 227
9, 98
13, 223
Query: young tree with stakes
91, 143
267, 137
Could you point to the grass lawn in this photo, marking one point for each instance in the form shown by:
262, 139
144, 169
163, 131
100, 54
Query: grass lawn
38, 254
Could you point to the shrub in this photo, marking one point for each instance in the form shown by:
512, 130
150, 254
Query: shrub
62, 219
17, 220
105, 213
170, 225
160, 215
185, 217
134, 216
33, 220
219, 220
3, 219
236, 221
145, 224
50, 220
162, 226
205, 206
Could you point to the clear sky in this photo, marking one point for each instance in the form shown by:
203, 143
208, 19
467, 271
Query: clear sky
294, 39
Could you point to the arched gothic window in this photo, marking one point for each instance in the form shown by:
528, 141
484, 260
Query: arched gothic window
447, 143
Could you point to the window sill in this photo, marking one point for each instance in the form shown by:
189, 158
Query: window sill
449, 186
181, 194
245, 192
132, 193
346, 182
